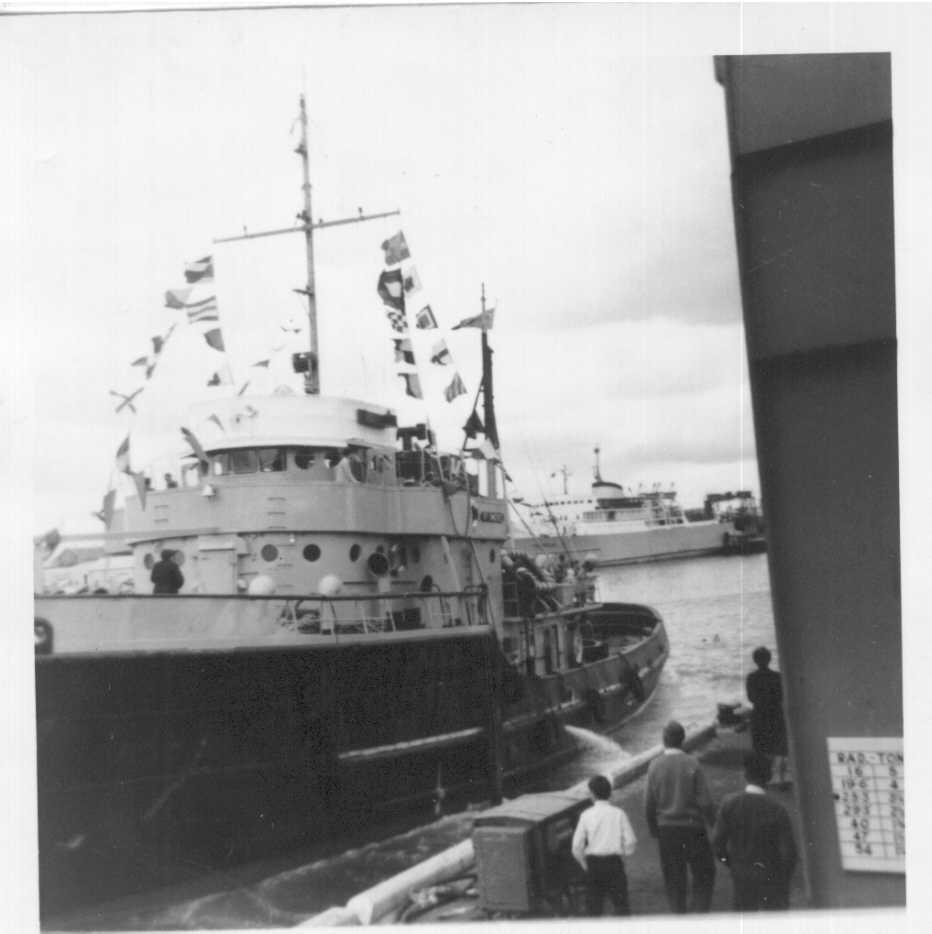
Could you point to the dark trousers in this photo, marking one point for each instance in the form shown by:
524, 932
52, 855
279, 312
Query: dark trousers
605, 875
756, 891
683, 848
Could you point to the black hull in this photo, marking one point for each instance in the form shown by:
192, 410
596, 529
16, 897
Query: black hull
156, 767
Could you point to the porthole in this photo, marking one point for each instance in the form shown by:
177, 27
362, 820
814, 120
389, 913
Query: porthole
269, 552
148, 562
354, 552
492, 556
311, 552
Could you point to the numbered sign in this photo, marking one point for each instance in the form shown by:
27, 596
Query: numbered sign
867, 779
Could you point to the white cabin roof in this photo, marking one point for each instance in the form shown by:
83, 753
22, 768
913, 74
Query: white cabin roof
317, 421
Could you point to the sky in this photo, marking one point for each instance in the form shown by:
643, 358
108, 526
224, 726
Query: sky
555, 154
573, 158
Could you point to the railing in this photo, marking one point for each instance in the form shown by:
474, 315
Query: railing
376, 614
548, 596
421, 467
203, 622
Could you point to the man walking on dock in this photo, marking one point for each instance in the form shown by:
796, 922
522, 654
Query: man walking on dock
603, 837
679, 806
754, 837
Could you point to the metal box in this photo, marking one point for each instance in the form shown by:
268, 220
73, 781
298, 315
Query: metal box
523, 857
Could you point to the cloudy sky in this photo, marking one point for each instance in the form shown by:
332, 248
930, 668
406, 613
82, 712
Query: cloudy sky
573, 158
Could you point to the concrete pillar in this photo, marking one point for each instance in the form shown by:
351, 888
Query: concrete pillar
811, 141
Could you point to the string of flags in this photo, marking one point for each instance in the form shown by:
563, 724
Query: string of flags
395, 287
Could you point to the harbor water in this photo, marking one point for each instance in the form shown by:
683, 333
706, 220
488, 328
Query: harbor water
717, 610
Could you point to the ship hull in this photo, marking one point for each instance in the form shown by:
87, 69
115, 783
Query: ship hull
156, 765
616, 548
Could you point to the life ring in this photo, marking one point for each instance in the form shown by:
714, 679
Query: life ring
44, 636
596, 705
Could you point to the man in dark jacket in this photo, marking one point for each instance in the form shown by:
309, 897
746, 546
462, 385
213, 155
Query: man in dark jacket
166, 575
679, 806
753, 836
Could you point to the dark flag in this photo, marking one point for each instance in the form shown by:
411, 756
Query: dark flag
391, 289
214, 338
199, 451
425, 319
456, 388
473, 425
122, 456
440, 354
485, 320
396, 249
199, 269
106, 508
404, 351
412, 385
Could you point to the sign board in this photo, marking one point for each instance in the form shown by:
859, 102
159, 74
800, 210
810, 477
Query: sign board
869, 791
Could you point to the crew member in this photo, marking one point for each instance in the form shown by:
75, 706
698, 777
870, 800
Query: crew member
166, 575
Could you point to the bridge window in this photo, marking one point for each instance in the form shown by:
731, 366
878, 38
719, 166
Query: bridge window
243, 461
303, 458
271, 459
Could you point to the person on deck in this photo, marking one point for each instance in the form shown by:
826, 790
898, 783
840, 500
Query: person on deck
602, 839
754, 838
166, 575
344, 468
768, 728
679, 806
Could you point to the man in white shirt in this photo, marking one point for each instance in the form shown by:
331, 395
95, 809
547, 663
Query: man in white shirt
603, 836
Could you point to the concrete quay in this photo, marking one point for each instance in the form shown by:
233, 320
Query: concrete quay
720, 751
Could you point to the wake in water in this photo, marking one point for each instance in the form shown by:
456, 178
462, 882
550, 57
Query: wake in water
596, 754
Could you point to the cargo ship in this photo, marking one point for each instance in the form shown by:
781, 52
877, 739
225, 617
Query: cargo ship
350, 641
615, 525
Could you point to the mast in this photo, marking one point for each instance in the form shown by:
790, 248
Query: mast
488, 398
597, 472
307, 225
312, 379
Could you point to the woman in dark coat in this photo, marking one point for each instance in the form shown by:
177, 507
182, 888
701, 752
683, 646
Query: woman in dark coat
768, 729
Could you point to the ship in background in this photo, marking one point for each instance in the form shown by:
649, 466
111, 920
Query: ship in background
742, 511
615, 525
350, 641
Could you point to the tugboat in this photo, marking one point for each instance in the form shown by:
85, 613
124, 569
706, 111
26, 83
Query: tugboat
615, 525
741, 511
346, 644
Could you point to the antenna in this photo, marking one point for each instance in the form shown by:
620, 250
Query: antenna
565, 471
597, 472
307, 225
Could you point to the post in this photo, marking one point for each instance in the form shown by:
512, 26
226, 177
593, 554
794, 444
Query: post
493, 669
